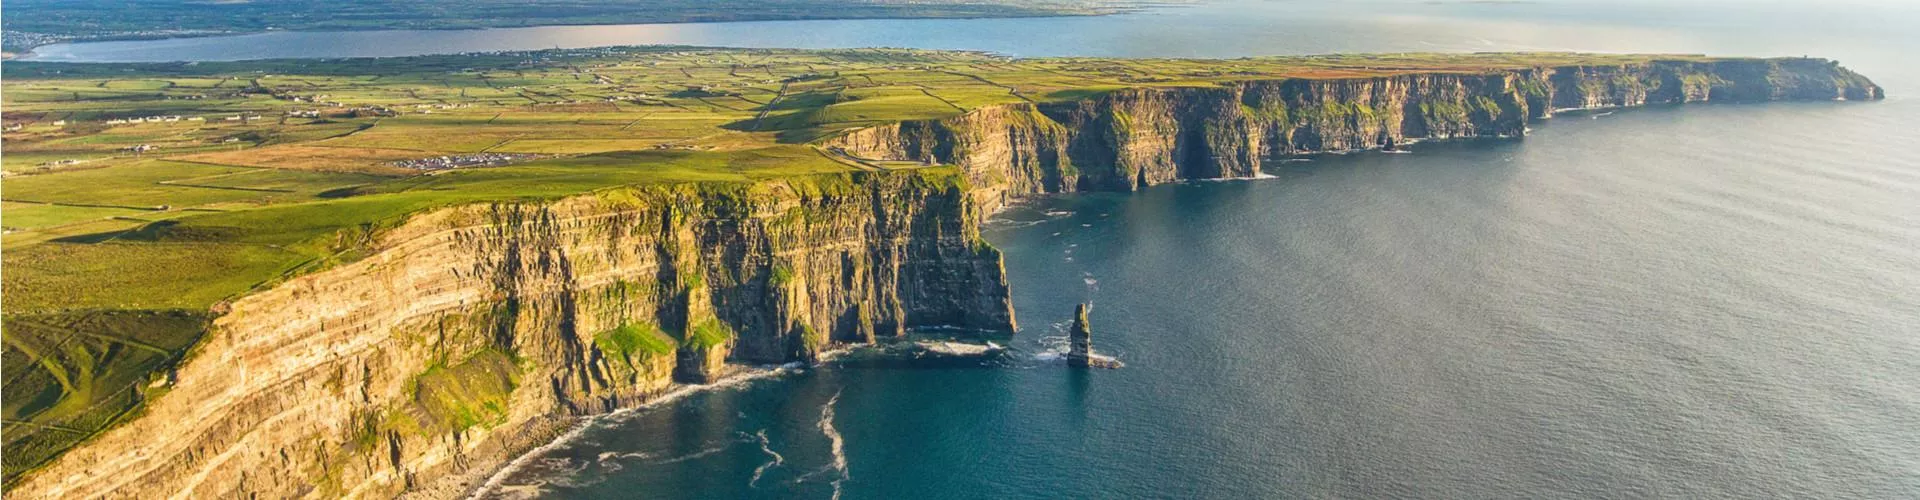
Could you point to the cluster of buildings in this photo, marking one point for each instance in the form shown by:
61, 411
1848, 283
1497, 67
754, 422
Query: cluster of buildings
428, 108
374, 111
368, 111
465, 160
643, 96
159, 119
16, 127
321, 98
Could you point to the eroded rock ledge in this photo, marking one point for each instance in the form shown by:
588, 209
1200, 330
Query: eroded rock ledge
469, 331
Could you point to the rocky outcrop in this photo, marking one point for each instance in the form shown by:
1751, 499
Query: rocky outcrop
468, 331
1131, 138
1080, 339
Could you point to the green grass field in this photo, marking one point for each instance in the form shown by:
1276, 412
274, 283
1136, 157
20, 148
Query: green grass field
121, 237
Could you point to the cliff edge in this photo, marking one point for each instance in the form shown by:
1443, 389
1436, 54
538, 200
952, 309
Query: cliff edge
1132, 138
469, 331
466, 333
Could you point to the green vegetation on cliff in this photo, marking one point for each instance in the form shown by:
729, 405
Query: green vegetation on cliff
141, 198
707, 333
634, 340
459, 396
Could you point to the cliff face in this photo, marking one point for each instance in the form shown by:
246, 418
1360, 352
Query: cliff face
470, 329
1132, 138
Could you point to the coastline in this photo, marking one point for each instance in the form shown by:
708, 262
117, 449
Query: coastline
492, 474
29, 54
1089, 116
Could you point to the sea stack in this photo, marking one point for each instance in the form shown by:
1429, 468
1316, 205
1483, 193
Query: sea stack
1080, 339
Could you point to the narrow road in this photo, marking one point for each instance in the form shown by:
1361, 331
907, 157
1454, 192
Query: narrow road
777, 96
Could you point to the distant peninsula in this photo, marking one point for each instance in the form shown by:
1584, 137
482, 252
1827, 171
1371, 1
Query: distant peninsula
32, 23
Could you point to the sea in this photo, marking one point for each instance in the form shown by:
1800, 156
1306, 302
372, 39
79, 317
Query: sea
1712, 301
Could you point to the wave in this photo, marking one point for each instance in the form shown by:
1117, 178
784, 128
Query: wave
1255, 177
518, 491
493, 482
1052, 347
839, 463
496, 482
1006, 219
614, 455
765, 447
610, 460
1014, 224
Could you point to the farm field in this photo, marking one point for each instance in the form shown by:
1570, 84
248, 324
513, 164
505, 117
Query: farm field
139, 197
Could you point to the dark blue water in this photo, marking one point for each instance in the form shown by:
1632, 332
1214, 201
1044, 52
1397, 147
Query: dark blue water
1703, 302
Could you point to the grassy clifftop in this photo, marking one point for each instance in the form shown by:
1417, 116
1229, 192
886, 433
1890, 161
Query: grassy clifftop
140, 198
173, 186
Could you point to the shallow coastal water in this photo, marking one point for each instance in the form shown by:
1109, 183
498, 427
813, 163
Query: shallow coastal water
1714, 301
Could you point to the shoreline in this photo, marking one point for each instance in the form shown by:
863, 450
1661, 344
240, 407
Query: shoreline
553, 429
499, 470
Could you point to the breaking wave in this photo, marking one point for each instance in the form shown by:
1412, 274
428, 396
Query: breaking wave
767, 448
839, 463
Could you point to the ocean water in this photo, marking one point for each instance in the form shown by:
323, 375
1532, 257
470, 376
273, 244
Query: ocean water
1717, 301
1699, 302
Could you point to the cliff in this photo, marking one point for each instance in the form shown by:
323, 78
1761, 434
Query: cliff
1131, 138
468, 330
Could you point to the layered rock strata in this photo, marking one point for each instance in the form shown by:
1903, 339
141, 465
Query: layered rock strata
469, 331
1132, 138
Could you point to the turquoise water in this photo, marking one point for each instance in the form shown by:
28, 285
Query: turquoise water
1703, 302
1700, 302
1707, 302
